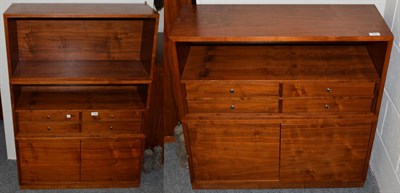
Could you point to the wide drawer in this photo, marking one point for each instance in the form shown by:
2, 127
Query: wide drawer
48, 127
111, 115
232, 106
328, 89
326, 105
112, 127
242, 90
45, 116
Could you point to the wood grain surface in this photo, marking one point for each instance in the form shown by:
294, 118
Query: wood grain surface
326, 152
222, 151
202, 23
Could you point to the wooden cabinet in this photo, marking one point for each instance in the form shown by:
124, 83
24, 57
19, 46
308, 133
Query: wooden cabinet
80, 78
279, 102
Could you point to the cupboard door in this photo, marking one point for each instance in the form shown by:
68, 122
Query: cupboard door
110, 160
234, 152
49, 160
324, 152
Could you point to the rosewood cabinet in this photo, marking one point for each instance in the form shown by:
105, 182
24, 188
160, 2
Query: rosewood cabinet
80, 78
278, 96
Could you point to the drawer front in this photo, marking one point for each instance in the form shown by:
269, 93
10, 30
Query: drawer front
326, 105
48, 127
218, 90
329, 89
48, 116
111, 160
229, 106
117, 115
112, 127
229, 151
49, 160
324, 152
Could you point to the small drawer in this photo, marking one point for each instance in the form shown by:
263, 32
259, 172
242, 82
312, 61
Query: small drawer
48, 116
218, 90
117, 115
231, 106
48, 127
326, 105
112, 127
329, 89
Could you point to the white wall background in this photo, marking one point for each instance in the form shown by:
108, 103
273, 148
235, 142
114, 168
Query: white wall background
385, 160
4, 84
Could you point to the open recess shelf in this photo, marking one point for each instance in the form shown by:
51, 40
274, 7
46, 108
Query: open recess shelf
279, 62
66, 99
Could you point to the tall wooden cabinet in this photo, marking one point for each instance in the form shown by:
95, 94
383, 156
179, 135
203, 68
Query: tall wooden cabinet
279, 95
80, 79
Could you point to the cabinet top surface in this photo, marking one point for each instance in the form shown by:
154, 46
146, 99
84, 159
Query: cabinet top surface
280, 23
61, 10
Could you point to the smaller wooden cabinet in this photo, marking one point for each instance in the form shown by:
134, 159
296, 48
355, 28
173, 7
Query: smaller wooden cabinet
80, 80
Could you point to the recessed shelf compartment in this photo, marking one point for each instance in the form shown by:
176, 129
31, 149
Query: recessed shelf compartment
279, 62
80, 98
81, 72
81, 51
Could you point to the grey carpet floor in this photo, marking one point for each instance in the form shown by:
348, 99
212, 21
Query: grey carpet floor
173, 179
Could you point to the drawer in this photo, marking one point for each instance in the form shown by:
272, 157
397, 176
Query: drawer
112, 127
329, 89
232, 106
326, 105
45, 116
48, 127
117, 115
218, 90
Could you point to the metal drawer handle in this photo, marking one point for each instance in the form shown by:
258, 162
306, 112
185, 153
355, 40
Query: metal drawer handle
232, 107
327, 106
68, 116
48, 128
48, 117
232, 91
328, 90
111, 127
112, 116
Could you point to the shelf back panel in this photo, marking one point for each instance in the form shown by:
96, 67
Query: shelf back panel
89, 39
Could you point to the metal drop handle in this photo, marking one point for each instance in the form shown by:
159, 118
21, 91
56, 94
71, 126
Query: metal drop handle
328, 90
232, 91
